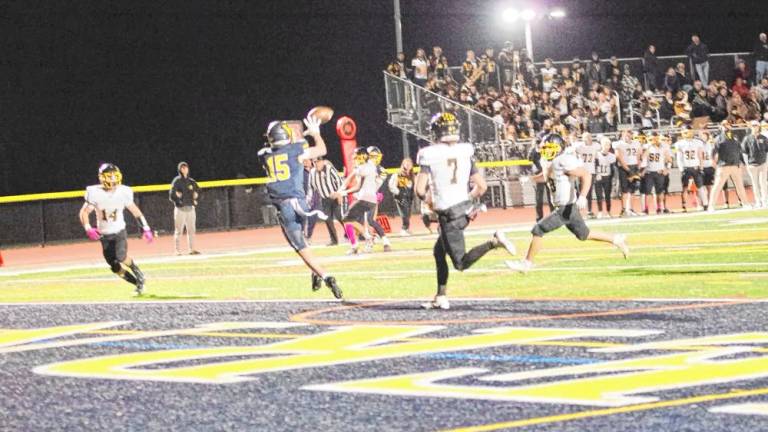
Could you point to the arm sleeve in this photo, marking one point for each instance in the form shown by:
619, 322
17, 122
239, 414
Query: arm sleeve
473, 166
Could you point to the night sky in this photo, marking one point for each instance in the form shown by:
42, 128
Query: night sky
145, 84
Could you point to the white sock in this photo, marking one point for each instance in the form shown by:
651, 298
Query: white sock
385, 241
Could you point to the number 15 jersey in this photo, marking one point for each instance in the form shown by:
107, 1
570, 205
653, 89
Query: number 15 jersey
110, 206
449, 166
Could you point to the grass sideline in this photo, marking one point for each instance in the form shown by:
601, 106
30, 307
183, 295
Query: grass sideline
722, 255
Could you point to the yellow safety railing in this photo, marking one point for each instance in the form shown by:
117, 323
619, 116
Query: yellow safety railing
207, 184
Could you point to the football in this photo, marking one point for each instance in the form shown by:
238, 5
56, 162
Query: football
321, 112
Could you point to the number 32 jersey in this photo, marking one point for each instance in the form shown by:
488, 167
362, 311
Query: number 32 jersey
109, 206
450, 166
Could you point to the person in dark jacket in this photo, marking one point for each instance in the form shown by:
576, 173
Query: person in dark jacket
761, 57
728, 156
651, 68
184, 194
753, 148
698, 52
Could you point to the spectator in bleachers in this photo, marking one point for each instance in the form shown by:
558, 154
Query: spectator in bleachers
548, 75
721, 105
671, 81
420, 65
683, 78
698, 52
397, 66
614, 68
740, 87
742, 71
651, 68
761, 56
490, 68
594, 73
470, 68
578, 73
434, 58
629, 85
596, 122
506, 62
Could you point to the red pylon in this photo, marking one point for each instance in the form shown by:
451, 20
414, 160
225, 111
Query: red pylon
1, 259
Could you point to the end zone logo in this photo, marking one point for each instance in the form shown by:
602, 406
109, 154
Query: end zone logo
685, 362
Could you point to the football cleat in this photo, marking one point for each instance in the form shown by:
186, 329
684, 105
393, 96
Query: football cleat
387, 248
620, 241
522, 266
501, 240
440, 302
354, 250
368, 246
330, 282
317, 282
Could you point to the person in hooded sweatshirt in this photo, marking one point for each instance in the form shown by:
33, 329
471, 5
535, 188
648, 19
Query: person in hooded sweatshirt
184, 194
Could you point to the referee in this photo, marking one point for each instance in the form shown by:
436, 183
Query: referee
324, 180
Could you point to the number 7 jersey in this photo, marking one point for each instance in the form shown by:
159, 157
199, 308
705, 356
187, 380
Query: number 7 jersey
449, 166
110, 206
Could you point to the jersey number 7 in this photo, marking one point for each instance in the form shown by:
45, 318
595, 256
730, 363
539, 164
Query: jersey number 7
452, 163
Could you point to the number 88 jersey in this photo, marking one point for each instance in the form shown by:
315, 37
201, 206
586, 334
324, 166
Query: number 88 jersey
109, 206
449, 166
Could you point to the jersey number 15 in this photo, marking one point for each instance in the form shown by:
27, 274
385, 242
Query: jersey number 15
278, 168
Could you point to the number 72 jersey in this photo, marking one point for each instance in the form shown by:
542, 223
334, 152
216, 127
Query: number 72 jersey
110, 206
450, 166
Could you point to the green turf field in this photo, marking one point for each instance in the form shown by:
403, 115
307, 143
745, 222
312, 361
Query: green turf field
689, 256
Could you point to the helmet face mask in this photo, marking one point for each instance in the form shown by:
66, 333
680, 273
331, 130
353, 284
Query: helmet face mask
360, 156
374, 155
110, 176
444, 127
551, 146
278, 134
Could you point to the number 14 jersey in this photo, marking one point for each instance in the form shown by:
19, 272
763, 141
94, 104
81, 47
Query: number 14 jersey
449, 166
110, 206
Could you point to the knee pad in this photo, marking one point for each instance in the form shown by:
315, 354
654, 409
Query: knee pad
537, 231
583, 235
115, 266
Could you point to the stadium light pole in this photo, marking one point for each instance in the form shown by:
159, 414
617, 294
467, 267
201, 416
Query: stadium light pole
528, 15
399, 48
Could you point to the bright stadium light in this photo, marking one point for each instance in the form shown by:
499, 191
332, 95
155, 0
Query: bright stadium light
528, 14
510, 15
557, 13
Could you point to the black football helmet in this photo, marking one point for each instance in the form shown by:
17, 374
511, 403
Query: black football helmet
551, 146
278, 134
444, 127
360, 155
110, 175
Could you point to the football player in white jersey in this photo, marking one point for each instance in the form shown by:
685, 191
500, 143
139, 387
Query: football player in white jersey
559, 177
628, 153
587, 150
366, 181
449, 167
655, 160
109, 199
605, 162
689, 153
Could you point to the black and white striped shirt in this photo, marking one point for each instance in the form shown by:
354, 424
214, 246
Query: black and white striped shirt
325, 182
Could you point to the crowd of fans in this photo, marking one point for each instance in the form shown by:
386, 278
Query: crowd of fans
587, 96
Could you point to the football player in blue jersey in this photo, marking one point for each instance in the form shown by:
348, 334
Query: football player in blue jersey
283, 156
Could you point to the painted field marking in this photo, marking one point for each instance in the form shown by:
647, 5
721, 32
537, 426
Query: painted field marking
308, 317
745, 408
611, 411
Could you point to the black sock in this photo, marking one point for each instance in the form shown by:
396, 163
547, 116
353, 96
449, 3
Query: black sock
128, 276
476, 253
